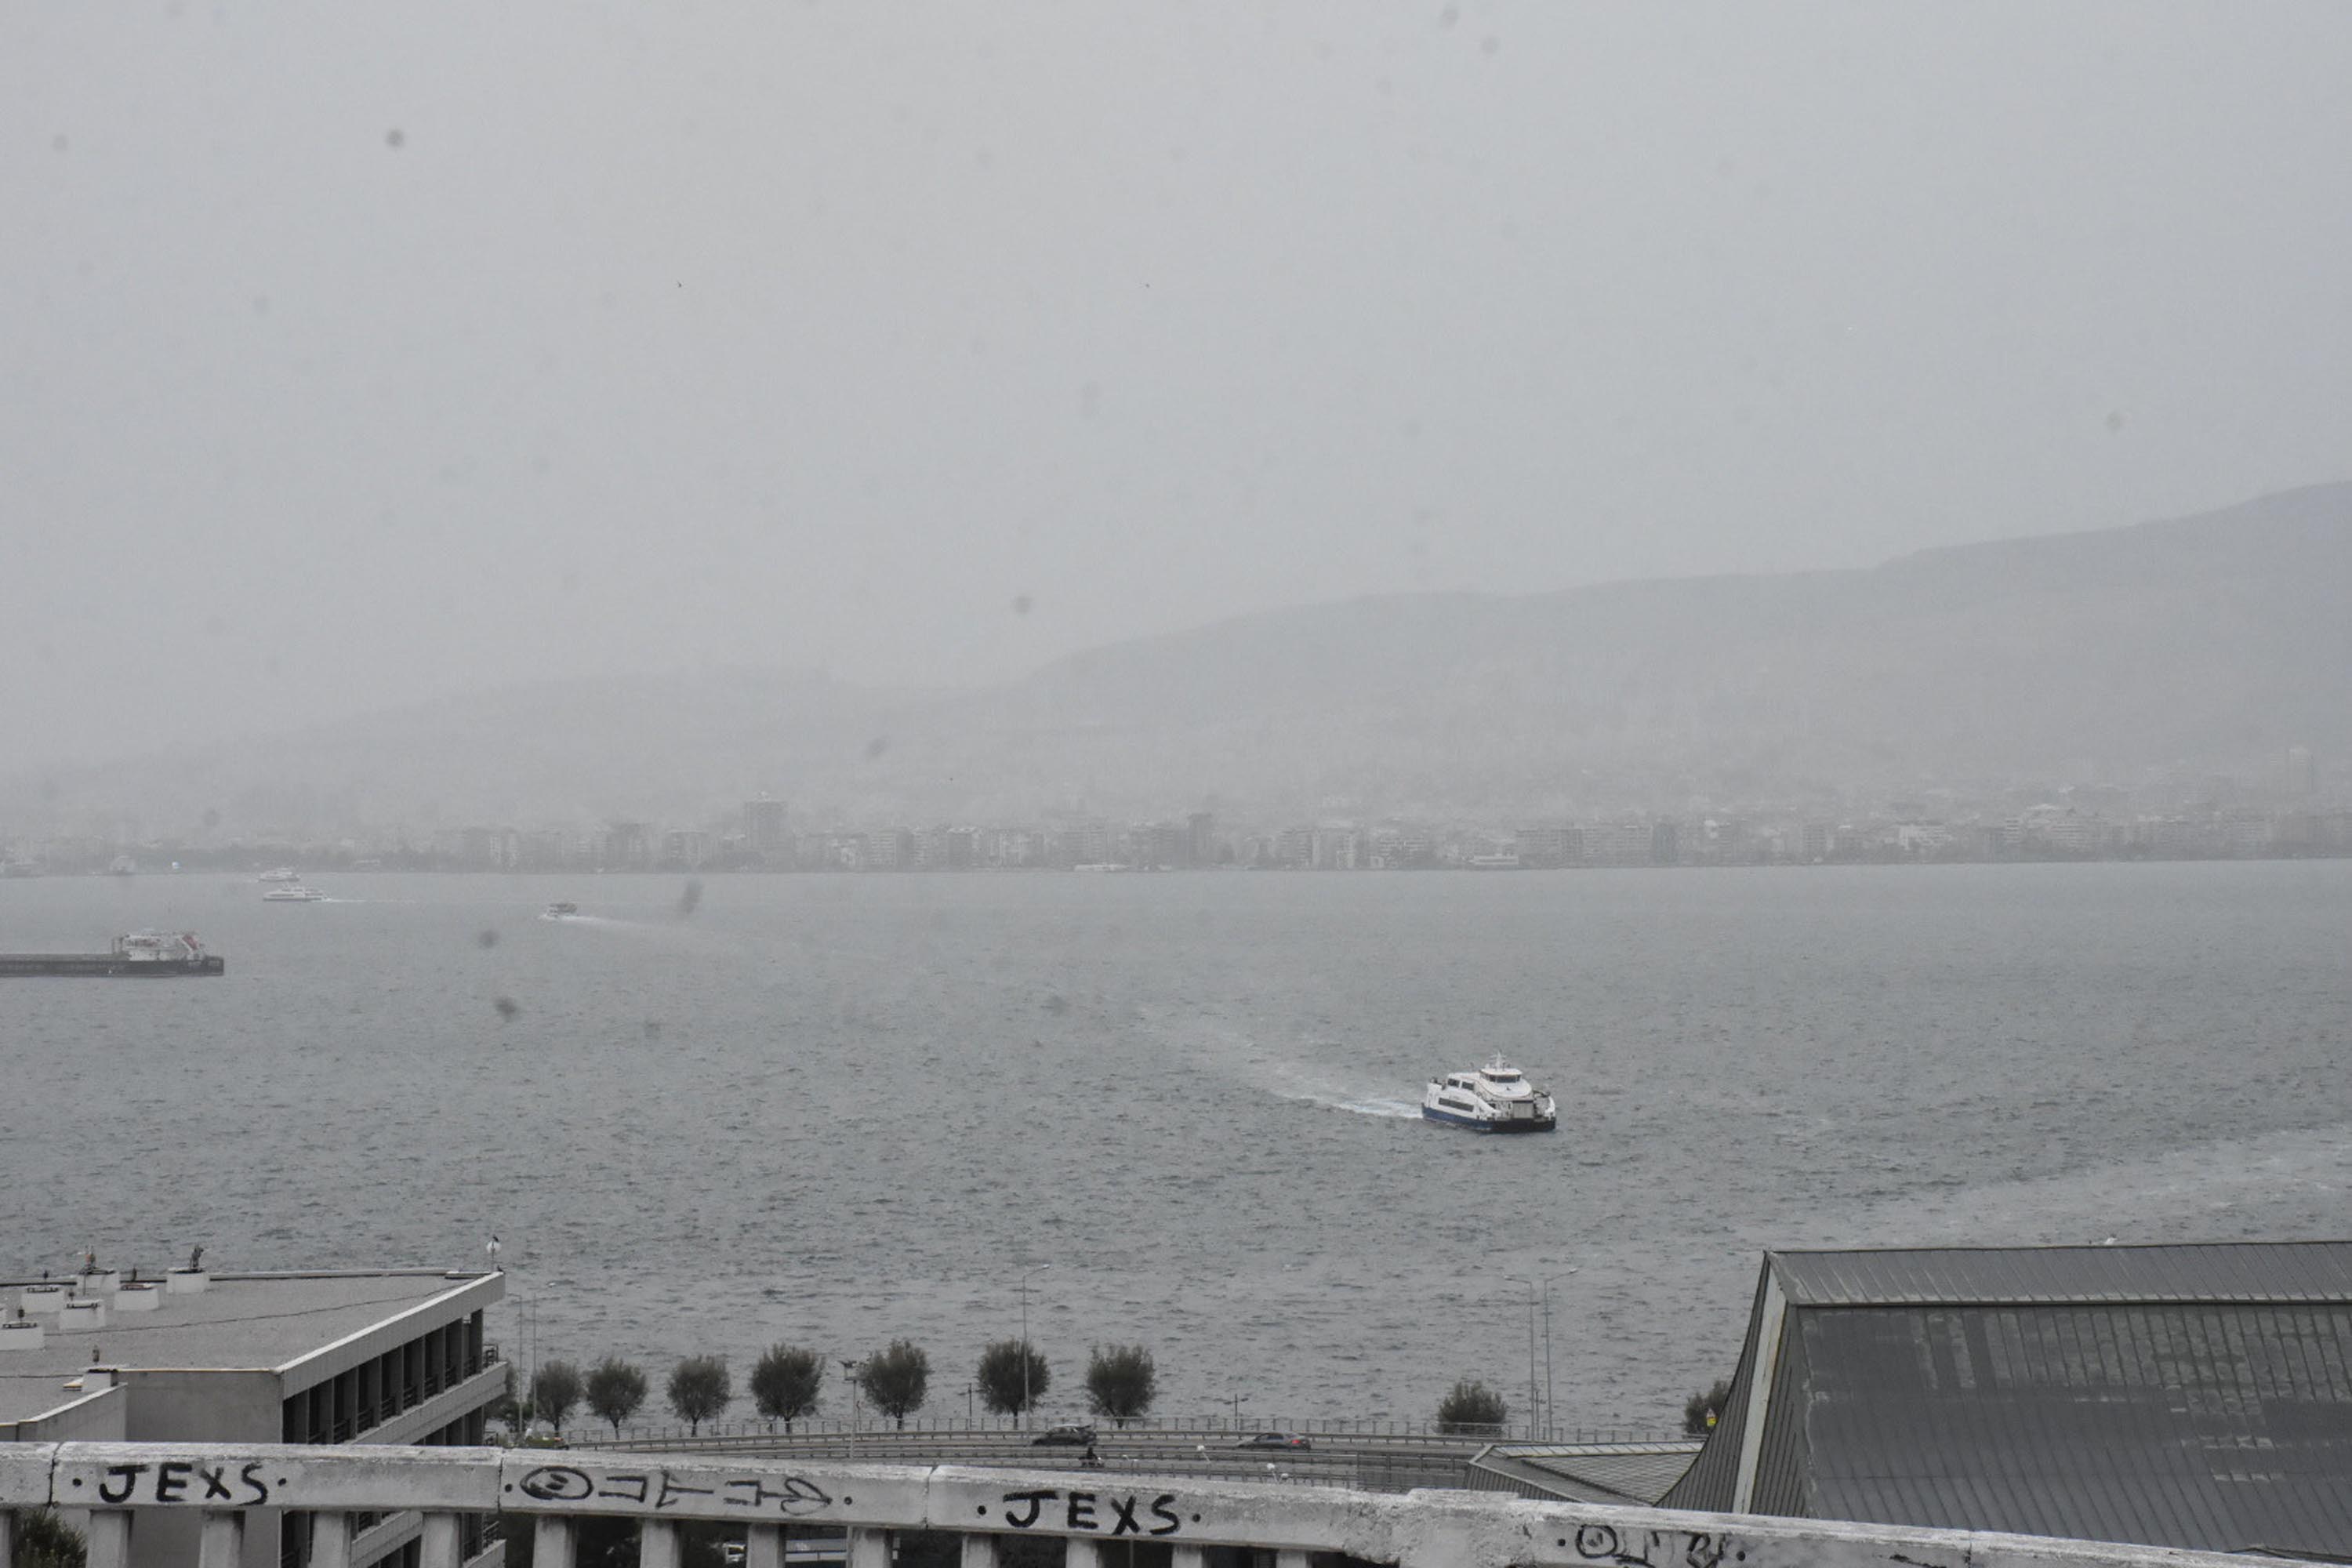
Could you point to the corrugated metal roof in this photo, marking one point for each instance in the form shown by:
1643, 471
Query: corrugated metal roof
2202, 1425
1783, 1458
1585, 1472
1708, 1484
2315, 1271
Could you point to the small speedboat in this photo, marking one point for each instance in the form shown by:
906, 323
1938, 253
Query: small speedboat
1496, 1098
560, 909
293, 893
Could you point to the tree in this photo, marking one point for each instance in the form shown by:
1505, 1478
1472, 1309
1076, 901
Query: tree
699, 1389
896, 1378
1002, 1386
785, 1383
1701, 1411
555, 1393
1472, 1407
615, 1390
1121, 1382
46, 1540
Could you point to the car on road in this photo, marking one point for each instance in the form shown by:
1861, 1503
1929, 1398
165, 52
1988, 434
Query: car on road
1064, 1437
1274, 1440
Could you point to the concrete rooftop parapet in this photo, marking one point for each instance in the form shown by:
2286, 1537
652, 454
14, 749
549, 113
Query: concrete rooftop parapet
1416, 1530
25, 1474
364, 1476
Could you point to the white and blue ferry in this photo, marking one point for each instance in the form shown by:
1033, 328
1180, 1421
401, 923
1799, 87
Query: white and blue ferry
1498, 1097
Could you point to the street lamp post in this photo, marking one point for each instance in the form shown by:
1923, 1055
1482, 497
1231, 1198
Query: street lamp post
1530, 1284
1551, 1410
1237, 1411
1039, 1269
849, 1372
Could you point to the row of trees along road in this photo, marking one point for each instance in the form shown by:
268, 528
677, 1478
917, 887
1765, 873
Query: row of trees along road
788, 1384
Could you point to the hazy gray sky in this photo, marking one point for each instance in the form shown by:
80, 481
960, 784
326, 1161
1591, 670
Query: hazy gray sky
352, 355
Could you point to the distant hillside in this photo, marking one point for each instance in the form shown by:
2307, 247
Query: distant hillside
2204, 637
2200, 640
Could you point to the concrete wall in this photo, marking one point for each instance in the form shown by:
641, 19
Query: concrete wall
200, 1406
96, 1417
203, 1405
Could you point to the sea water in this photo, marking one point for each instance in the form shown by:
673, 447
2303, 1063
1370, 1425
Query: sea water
840, 1110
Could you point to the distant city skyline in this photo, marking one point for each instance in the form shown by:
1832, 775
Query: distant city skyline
2294, 808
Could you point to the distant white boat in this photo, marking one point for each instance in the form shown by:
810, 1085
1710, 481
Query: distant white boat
282, 874
294, 893
560, 909
1498, 1097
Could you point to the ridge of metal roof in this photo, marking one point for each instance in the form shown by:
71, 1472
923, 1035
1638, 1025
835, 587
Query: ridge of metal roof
2216, 1272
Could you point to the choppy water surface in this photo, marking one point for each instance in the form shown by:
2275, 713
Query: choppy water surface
841, 1110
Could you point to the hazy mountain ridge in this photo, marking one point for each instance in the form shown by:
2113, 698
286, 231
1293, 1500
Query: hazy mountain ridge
2111, 651
2196, 640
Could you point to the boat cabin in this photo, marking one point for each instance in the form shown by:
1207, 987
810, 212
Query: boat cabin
158, 947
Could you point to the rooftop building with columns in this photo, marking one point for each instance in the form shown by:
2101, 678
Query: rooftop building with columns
190, 1356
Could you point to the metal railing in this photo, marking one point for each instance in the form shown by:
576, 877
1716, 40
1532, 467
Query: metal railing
547, 1491
588, 1432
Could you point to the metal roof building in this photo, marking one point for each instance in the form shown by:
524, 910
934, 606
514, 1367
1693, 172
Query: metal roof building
2193, 1397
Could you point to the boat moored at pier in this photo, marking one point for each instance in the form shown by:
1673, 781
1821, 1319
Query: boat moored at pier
1496, 1098
139, 954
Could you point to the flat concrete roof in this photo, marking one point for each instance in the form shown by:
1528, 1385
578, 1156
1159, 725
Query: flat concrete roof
262, 1322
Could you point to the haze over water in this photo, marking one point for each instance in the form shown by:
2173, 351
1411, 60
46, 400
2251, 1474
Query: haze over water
839, 1109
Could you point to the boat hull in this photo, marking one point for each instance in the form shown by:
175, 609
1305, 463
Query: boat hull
107, 965
1492, 1124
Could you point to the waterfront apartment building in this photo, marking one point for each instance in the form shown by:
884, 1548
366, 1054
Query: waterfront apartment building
1628, 842
479, 849
1082, 844
767, 834
1544, 846
382, 1356
627, 846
